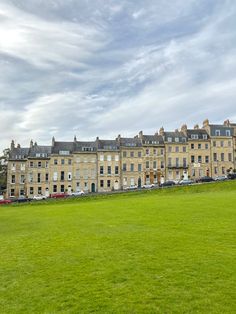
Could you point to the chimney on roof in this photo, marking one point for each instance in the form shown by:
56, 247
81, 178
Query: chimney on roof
140, 135
75, 138
184, 128
161, 131
35, 144
205, 123
196, 127
227, 122
176, 130
18, 145
97, 138
12, 144
31, 144
156, 133
118, 138
53, 141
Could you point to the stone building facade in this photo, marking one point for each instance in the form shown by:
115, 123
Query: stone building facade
109, 165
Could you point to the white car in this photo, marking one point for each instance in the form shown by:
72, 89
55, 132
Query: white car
78, 193
39, 197
132, 187
148, 186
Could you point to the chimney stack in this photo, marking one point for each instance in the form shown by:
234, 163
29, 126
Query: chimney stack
12, 144
162, 131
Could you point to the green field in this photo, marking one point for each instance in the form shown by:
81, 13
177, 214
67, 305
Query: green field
168, 251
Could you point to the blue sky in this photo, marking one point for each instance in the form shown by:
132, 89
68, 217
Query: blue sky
107, 67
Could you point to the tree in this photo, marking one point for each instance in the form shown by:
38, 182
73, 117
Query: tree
3, 170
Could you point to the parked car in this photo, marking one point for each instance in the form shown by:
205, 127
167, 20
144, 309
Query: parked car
78, 193
168, 183
205, 179
39, 197
2, 202
132, 187
58, 195
186, 182
148, 186
232, 176
23, 199
220, 178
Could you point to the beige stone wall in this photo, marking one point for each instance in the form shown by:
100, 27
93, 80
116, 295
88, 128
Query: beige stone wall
200, 152
109, 171
153, 164
176, 159
16, 175
132, 157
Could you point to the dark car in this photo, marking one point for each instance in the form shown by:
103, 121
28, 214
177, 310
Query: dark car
23, 200
167, 183
232, 176
205, 179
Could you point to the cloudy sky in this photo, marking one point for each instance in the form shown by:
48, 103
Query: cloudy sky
104, 67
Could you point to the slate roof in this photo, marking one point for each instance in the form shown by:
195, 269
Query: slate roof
40, 151
173, 135
19, 153
153, 139
80, 146
62, 146
130, 142
199, 132
107, 144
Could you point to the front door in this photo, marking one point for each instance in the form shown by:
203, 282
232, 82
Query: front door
93, 188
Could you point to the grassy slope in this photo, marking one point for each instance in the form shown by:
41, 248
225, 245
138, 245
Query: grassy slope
151, 252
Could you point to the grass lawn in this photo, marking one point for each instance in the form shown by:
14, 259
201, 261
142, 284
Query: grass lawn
168, 251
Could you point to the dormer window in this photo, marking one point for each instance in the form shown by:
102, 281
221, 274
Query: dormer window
169, 139
228, 133
217, 132
204, 136
177, 139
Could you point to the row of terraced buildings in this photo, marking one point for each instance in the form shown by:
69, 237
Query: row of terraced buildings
107, 165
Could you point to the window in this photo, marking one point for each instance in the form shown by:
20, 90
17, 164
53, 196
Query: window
199, 146
55, 161
109, 170
101, 183
139, 167
223, 170
147, 164
204, 136
69, 161
62, 175
169, 139
169, 149
176, 149
108, 183
217, 132
206, 146
31, 190
147, 152
116, 170
222, 143
101, 157
55, 176
132, 167
162, 165
192, 159
177, 139
39, 164
64, 152
124, 167
194, 136
108, 157
131, 154
230, 157
31, 164
13, 179
54, 188
177, 162
222, 156
155, 151
215, 170
229, 143
192, 146
69, 176
162, 151
154, 164
22, 192
39, 190
207, 159
184, 162
169, 162
30, 177
46, 164
101, 170
199, 159
214, 143
184, 149
228, 133
63, 161
116, 157
139, 154
39, 178
46, 177
215, 156
62, 188
124, 154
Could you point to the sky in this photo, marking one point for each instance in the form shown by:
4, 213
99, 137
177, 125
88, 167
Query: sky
103, 67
